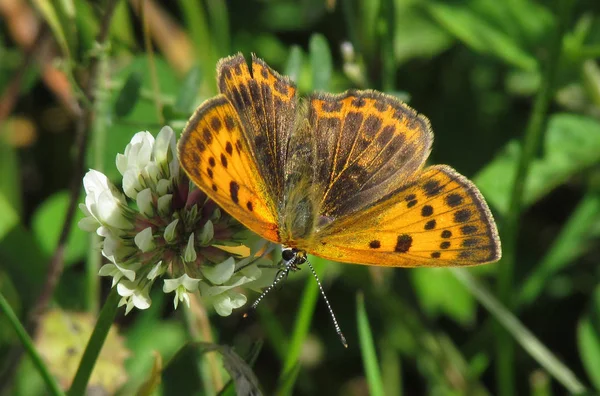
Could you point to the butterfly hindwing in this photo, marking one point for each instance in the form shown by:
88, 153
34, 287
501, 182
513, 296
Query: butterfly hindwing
266, 104
214, 152
368, 145
439, 219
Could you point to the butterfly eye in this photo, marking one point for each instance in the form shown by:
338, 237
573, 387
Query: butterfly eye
287, 254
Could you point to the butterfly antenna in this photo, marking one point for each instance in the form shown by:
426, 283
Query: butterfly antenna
282, 275
335, 322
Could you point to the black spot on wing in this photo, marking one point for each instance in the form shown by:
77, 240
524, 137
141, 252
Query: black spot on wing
462, 216
432, 188
281, 87
229, 123
215, 123
426, 210
403, 243
454, 200
468, 229
430, 225
207, 136
470, 242
234, 189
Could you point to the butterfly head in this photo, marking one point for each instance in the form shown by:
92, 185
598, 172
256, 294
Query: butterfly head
292, 258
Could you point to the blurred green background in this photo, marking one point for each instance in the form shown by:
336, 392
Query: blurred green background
512, 89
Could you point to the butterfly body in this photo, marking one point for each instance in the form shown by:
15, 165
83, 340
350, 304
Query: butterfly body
338, 176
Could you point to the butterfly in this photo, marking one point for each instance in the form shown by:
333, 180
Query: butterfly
339, 176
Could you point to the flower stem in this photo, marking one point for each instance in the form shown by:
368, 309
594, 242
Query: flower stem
505, 375
95, 343
29, 347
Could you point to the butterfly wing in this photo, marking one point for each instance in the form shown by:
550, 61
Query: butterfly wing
215, 154
368, 145
438, 219
266, 104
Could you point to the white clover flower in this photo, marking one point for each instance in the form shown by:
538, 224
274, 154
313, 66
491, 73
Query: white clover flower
104, 204
181, 286
162, 226
222, 294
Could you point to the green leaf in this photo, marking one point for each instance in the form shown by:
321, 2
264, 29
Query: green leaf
24, 262
290, 15
10, 183
572, 143
416, 35
186, 98
588, 341
321, 63
480, 35
129, 95
439, 292
367, 349
9, 216
240, 372
574, 239
198, 29
142, 117
47, 225
58, 26
294, 63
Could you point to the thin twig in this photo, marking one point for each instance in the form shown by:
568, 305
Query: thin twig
56, 264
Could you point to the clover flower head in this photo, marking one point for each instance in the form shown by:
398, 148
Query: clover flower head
162, 226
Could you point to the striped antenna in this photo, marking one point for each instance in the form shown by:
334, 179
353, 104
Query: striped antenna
335, 322
292, 260
282, 275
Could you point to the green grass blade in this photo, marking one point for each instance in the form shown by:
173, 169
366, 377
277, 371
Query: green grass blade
367, 349
29, 347
570, 243
95, 343
308, 302
520, 333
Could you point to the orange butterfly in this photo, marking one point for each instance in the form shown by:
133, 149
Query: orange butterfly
338, 176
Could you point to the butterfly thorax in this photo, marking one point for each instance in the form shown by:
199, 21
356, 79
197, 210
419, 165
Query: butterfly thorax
297, 215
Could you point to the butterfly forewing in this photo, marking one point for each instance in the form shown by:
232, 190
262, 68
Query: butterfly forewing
368, 145
266, 104
213, 151
439, 219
